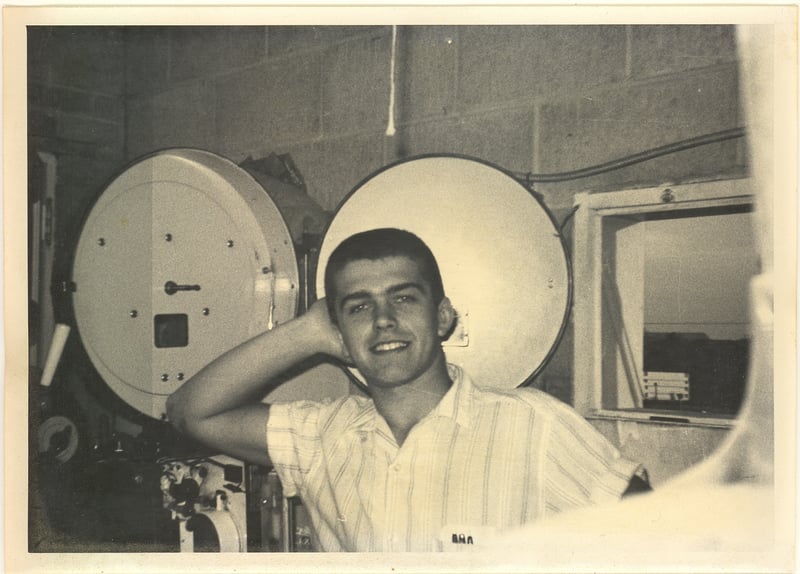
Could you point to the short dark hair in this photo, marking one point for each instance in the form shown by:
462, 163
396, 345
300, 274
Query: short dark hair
379, 244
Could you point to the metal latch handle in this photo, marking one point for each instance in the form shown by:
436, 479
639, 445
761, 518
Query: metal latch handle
170, 287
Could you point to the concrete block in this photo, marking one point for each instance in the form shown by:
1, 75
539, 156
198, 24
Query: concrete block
80, 182
38, 53
555, 376
74, 101
146, 59
502, 137
355, 85
139, 129
203, 51
87, 130
425, 72
88, 57
86, 177
182, 116
332, 168
39, 95
277, 102
510, 63
64, 100
69, 101
41, 123
110, 108
283, 40
630, 118
666, 49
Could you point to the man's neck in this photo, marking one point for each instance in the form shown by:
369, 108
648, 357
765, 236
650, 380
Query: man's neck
403, 407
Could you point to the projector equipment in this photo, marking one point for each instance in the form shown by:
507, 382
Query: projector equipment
182, 257
207, 497
185, 255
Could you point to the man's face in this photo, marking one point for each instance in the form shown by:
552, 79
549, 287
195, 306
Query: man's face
389, 321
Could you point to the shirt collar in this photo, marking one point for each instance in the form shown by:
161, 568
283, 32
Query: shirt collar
456, 404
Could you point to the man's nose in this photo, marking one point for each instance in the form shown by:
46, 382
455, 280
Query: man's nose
384, 315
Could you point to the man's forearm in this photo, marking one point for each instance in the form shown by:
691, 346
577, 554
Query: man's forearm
244, 374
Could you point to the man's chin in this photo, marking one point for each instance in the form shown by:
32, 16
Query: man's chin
387, 378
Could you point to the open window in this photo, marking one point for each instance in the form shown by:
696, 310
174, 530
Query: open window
661, 301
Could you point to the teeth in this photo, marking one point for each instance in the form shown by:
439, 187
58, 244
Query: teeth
394, 345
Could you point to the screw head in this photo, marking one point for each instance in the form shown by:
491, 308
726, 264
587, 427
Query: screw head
206, 311
180, 376
133, 313
101, 241
168, 237
230, 243
165, 377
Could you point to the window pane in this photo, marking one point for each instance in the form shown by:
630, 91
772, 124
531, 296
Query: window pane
675, 309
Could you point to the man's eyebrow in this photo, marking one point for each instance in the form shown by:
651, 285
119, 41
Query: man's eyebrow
360, 295
355, 296
407, 285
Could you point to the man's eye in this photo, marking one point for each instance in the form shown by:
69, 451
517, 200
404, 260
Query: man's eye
405, 298
357, 308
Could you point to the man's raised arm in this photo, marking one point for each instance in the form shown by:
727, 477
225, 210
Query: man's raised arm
221, 405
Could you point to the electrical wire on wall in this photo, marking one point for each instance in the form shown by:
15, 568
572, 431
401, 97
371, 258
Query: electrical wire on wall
528, 179
712, 138
390, 129
389, 140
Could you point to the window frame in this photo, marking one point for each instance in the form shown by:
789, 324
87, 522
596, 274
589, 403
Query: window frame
591, 209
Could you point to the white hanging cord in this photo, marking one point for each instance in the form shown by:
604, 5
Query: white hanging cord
390, 126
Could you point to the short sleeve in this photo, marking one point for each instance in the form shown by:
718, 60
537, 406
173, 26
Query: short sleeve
293, 442
581, 466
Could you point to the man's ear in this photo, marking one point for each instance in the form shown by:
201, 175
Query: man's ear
446, 316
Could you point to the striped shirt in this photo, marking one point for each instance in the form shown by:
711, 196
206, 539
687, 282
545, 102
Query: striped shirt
481, 460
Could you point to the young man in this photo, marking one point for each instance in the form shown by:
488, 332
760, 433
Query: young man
429, 461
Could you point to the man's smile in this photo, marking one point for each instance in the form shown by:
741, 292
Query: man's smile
389, 346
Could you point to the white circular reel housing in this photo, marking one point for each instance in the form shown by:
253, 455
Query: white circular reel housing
501, 257
182, 257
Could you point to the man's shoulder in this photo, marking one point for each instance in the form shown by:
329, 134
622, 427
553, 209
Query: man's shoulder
482, 392
533, 403
344, 410
531, 397
330, 407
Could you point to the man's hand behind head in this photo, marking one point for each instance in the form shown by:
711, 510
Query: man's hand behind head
329, 337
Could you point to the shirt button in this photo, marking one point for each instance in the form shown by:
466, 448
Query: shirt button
397, 467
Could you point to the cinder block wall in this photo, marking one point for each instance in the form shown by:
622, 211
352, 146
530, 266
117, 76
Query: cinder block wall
532, 99
76, 111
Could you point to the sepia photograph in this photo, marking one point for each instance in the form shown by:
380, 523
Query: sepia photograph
331, 288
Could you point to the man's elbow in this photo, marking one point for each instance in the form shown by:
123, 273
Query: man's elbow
637, 485
176, 413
